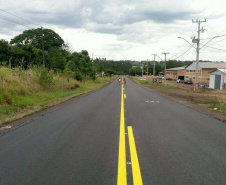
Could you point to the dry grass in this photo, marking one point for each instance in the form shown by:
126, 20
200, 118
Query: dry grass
25, 92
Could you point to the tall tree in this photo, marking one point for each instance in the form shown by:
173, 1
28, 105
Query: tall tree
34, 37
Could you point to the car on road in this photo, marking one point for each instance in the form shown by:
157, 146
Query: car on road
188, 82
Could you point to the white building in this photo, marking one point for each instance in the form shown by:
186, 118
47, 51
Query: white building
217, 79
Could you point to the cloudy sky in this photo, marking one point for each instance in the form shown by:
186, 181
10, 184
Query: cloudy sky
124, 30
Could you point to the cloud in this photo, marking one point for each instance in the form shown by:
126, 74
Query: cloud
132, 23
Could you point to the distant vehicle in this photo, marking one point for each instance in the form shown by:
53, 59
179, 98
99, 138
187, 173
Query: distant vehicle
160, 77
180, 81
187, 82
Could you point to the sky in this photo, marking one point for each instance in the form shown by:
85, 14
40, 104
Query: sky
124, 29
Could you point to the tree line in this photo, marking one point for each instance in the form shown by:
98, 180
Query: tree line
25, 51
159, 67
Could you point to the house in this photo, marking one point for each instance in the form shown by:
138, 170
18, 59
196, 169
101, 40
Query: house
176, 73
205, 68
218, 79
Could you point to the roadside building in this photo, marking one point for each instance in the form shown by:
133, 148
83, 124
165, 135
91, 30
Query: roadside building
218, 79
176, 73
205, 68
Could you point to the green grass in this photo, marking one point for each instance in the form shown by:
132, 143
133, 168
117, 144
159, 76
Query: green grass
160, 85
22, 97
221, 106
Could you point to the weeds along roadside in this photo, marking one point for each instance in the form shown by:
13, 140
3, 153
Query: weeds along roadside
23, 92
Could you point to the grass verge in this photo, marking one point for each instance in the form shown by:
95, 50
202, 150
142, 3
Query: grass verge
21, 92
148, 82
219, 106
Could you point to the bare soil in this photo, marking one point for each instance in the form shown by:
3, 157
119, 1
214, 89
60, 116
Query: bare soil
195, 100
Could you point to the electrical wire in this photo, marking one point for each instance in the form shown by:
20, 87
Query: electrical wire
3, 18
159, 57
207, 43
214, 37
219, 41
19, 17
215, 48
184, 52
172, 56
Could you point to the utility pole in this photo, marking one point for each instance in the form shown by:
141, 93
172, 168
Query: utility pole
43, 55
92, 59
142, 70
147, 67
165, 68
154, 64
197, 52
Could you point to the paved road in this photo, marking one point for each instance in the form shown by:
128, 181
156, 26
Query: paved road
79, 143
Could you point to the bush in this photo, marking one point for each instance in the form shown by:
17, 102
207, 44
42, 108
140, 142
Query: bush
6, 98
45, 78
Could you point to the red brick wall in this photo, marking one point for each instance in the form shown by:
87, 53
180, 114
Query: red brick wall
172, 74
204, 76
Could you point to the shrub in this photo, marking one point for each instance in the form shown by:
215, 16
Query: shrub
45, 78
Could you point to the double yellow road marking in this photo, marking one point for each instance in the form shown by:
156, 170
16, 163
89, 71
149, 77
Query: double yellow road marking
122, 175
122, 178
137, 180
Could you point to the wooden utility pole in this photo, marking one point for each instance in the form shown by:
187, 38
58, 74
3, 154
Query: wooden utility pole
165, 68
43, 54
154, 64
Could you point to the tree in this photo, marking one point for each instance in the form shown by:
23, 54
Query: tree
56, 59
132, 72
33, 37
173, 64
110, 72
4, 51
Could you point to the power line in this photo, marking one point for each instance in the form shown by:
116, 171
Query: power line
219, 41
15, 22
188, 26
159, 57
214, 37
207, 43
184, 52
215, 48
19, 17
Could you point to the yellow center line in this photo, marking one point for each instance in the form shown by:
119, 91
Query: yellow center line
122, 176
137, 180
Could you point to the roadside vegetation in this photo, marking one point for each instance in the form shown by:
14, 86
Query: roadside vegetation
218, 105
26, 91
32, 79
149, 82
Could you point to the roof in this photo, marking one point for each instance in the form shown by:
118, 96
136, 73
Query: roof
221, 70
176, 68
210, 65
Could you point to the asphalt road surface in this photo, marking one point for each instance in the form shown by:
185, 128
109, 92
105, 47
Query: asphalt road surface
116, 136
